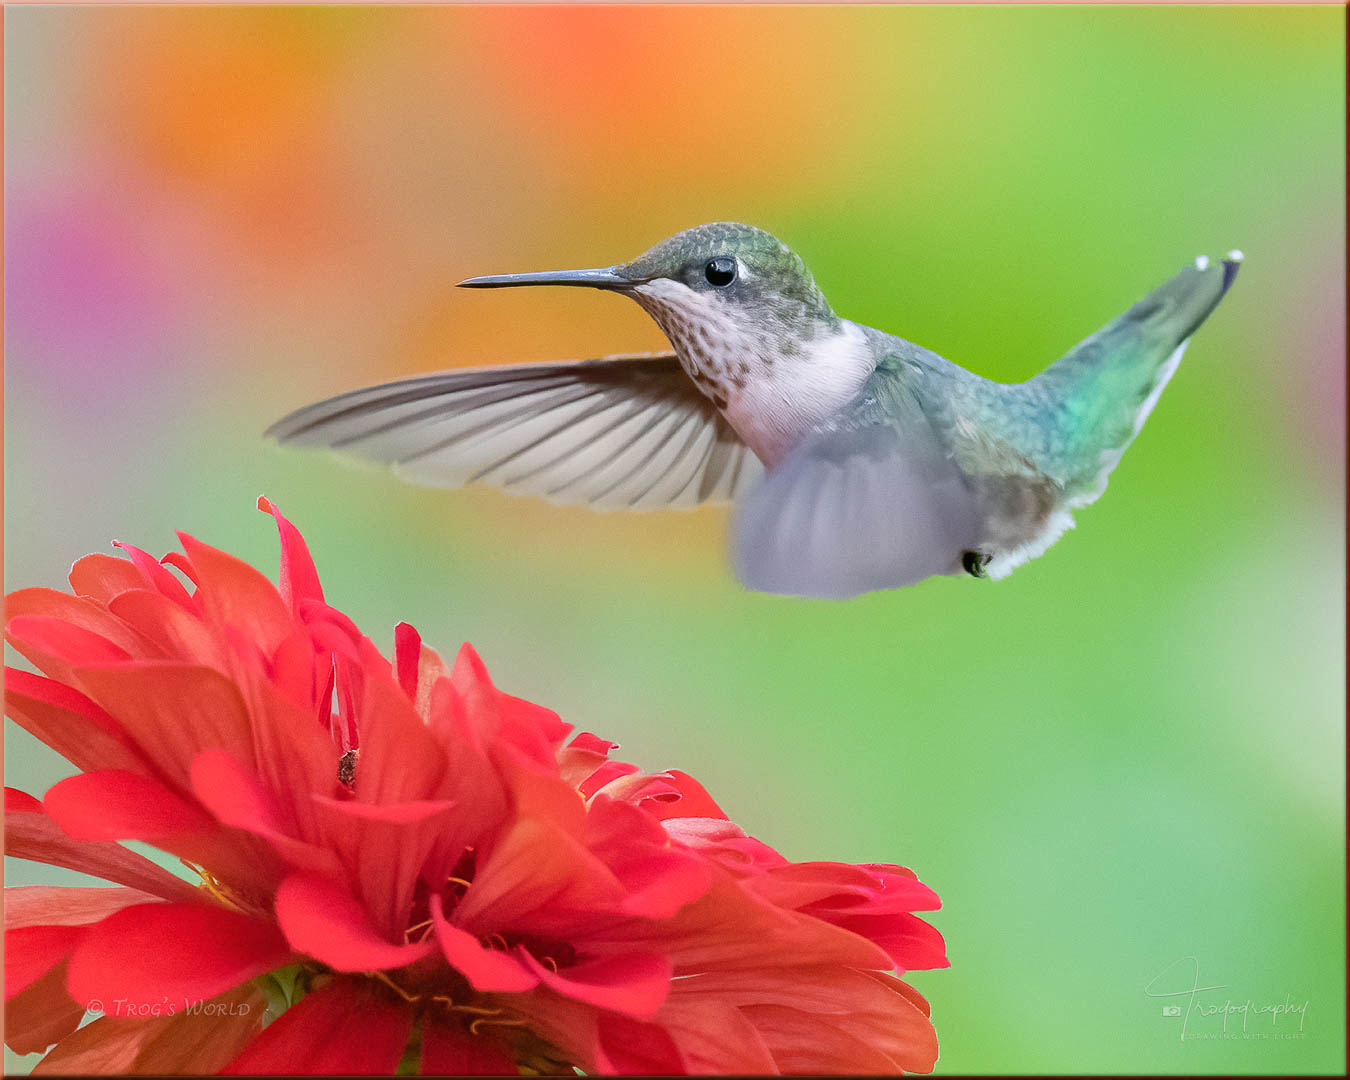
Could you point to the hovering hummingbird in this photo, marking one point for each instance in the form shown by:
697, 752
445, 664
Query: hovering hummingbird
857, 460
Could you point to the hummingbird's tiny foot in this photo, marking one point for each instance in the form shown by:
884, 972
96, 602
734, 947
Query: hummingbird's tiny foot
974, 563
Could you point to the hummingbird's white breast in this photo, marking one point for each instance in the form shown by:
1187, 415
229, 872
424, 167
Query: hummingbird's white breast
772, 386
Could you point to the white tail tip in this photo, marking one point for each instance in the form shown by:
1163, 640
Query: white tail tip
1202, 262
1235, 255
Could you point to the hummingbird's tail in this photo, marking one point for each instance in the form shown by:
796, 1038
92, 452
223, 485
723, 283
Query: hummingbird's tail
1100, 394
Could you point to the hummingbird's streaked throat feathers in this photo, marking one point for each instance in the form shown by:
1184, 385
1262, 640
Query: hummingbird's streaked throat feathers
772, 383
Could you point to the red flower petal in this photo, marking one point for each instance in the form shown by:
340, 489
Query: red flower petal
234, 594
174, 711
32, 951
37, 837
635, 1048
634, 983
539, 870
187, 951
200, 1041
68, 722
320, 918
116, 805
450, 1051
108, 1046
407, 654
20, 802
237, 798
41, 1014
57, 647
63, 905
341, 1029
401, 761
113, 804
101, 577
299, 578
174, 1046
79, 613
694, 801
176, 631
821, 886
486, 969
821, 1018
157, 576
658, 877
913, 944
531, 729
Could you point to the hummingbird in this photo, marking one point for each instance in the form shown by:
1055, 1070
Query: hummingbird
856, 460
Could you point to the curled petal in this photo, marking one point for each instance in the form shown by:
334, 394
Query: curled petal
486, 969
320, 918
101, 577
634, 984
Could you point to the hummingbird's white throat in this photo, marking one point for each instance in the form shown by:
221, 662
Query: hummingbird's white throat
772, 389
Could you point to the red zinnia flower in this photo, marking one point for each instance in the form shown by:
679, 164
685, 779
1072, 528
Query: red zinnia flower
399, 863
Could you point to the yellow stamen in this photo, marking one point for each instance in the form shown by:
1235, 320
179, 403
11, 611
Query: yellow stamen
410, 998
482, 1020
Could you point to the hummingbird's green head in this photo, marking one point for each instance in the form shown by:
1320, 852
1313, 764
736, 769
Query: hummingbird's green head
737, 266
720, 271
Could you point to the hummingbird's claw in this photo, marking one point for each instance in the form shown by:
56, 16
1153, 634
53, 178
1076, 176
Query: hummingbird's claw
974, 563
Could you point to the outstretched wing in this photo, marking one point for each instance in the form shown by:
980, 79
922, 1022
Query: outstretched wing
872, 504
629, 432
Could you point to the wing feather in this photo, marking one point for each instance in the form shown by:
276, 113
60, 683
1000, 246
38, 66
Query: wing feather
852, 510
618, 432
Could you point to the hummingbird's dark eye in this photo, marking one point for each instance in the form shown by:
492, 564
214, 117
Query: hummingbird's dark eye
720, 271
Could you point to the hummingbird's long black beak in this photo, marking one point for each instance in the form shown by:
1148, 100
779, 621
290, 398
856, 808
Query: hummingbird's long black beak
607, 277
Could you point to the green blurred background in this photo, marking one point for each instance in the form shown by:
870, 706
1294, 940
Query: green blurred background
1128, 753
